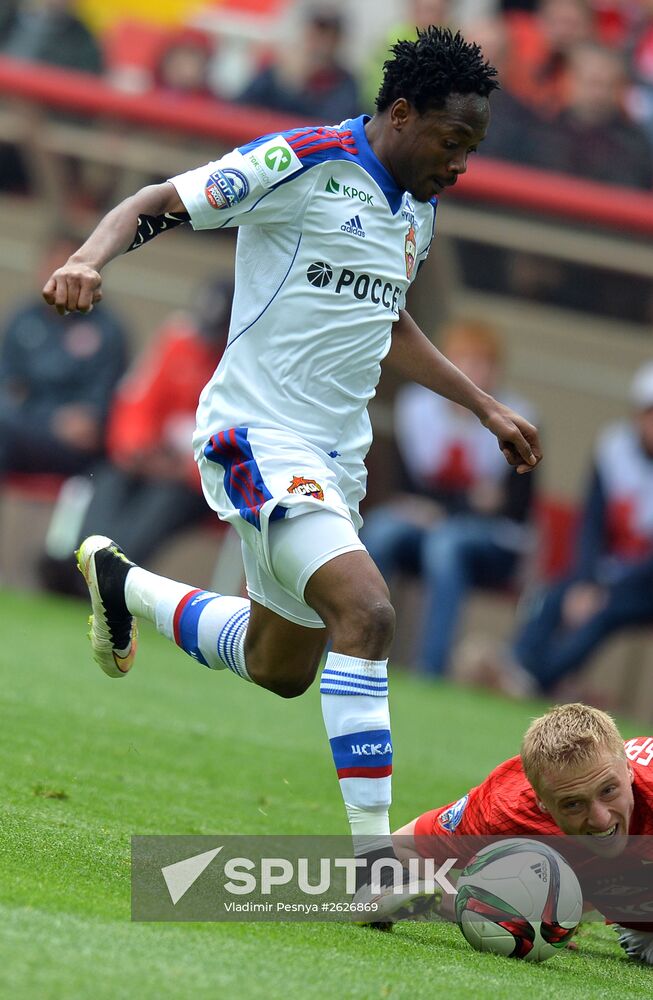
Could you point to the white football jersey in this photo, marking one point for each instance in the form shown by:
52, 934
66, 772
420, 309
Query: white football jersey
327, 250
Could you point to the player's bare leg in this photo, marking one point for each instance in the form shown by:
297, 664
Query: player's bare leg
280, 655
348, 593
352, 599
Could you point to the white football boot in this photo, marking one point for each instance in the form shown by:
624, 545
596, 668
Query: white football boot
114, 631
413, 901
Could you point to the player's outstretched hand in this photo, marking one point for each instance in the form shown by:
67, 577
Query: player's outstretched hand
518, 439
73, 287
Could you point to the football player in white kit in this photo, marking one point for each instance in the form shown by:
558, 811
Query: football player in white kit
334, 223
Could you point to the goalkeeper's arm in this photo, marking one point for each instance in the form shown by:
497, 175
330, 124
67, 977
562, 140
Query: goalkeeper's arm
78, 284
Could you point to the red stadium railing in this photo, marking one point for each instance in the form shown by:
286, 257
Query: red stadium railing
550, 194
79, 92
520, 188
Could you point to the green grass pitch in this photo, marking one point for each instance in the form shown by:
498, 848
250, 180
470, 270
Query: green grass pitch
174, 748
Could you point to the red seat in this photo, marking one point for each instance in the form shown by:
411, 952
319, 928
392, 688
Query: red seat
265, 8
133, 43
557, 521
35, 485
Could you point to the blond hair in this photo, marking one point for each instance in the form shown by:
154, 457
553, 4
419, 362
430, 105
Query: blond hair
473, 336
568, 736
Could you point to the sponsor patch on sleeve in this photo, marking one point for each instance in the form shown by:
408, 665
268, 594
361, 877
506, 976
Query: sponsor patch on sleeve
273, 161
225, 188
452, 816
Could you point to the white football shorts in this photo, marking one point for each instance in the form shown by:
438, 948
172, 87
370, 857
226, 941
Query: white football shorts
261, 480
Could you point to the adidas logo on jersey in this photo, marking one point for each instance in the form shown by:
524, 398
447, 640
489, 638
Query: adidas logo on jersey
354, 227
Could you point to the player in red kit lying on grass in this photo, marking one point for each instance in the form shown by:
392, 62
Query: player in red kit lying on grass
575, 775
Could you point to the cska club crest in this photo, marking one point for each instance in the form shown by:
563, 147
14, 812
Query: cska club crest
306, 488
410, 249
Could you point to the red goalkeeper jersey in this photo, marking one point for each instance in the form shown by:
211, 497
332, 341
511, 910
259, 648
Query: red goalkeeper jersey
505, 805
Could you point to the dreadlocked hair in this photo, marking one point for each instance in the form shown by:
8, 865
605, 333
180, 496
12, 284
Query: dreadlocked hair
426, 71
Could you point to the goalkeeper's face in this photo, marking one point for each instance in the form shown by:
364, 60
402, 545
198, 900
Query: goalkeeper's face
593, 800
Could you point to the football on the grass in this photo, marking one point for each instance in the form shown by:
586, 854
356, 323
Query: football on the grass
518, 898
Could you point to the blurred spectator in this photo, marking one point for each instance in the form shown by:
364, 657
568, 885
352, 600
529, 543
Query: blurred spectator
417, 14
611, 584
57, 375
618, 23
13, 172
539, 46
8, 11
639, 46
49, 31
465, 523
592, 136
306, 78
149, 487
184, 64
512, 132
13, 175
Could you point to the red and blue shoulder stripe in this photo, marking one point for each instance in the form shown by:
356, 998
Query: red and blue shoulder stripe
315, 144
311, 141
320, 143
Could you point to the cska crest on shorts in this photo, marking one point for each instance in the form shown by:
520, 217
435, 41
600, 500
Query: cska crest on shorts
306, 488
410, 249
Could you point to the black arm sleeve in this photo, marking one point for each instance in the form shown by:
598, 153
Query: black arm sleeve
150, 226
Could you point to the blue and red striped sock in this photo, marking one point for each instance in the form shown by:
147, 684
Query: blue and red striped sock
209, 627
357, 719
